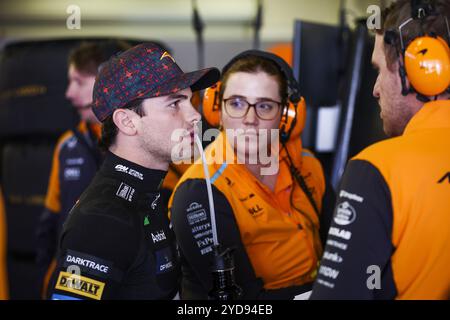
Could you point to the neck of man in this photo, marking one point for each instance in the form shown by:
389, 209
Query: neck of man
137, 155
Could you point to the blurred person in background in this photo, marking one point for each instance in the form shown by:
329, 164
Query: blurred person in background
76, 157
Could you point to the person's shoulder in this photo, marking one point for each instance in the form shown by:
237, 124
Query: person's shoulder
191, 186
383, 152
100, 201
65, 140
312, 163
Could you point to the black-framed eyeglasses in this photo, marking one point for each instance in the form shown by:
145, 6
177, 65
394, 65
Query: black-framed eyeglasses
238, 108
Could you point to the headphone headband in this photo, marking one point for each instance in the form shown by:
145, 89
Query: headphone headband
292, 84
424, 60
420, 9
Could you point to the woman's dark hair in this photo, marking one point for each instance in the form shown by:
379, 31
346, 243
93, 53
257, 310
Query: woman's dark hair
254, 64
109, 128
89, 55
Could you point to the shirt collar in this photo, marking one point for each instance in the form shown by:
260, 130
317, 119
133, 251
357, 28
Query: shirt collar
143, 179
433, 115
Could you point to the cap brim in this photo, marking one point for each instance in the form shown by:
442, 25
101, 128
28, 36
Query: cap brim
204, 78
196, 80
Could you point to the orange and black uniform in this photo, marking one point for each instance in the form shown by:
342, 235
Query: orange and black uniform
119, 238
277, 246
76, 159
392, 217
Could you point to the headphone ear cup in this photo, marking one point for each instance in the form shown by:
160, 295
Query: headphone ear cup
211, 110
293, 121
427, 64
445, 44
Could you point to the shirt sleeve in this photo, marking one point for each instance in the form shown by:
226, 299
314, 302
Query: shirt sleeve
191, 222
356, 261
52, 198
46, 230
326, 216
98, 249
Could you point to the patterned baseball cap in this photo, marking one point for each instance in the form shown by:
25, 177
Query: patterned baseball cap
144, 71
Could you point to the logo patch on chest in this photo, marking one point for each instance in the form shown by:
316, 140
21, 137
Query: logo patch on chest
125, 192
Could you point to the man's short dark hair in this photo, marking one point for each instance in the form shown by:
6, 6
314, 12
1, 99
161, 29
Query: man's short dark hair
399, 12
109, 128
88, 56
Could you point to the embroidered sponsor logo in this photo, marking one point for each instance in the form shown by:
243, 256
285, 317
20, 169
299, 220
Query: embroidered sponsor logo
196, 217
72, 174
351, 196
194, 206
158, 236
74, 161
256, 210
337, 244
125, 192
62, 297
340, 233
205, 242
332, 257
328, 272
80, 285
201, 228
203, 234
87, 263
345, 214
166, 55
164, 260
155, 202
131, 172
72, 142
325, 283
251, 195
206, 250
445, 177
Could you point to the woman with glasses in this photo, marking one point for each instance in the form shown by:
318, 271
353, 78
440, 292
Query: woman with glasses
274, 226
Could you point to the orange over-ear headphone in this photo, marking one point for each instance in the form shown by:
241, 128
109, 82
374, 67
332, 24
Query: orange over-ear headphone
426, 59
293, 114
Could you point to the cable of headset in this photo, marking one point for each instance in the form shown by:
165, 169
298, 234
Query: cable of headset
302, 183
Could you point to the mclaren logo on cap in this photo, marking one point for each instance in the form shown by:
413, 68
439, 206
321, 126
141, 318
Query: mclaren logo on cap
166, 55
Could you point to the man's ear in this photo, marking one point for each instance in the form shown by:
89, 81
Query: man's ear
122, 119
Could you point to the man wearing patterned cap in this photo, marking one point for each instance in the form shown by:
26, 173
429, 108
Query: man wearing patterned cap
117, 242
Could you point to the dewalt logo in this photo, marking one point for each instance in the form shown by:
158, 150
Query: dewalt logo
80, 285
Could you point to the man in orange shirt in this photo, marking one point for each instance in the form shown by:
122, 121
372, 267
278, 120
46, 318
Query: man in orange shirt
390, 233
